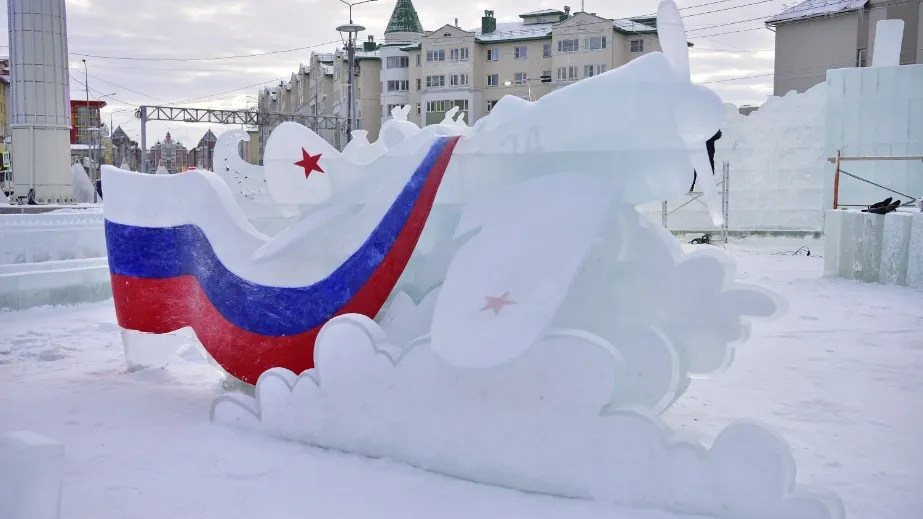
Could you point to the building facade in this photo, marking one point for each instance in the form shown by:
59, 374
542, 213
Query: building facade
310, 92
812, 38
125, 152
85, 121
434, 71
170, 154
203, 155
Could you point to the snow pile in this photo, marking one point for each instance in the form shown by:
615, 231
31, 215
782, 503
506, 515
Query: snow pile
548, 428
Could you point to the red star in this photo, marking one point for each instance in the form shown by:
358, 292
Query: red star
497, 303
309, 162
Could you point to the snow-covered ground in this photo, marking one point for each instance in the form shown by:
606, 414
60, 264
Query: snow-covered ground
839, 377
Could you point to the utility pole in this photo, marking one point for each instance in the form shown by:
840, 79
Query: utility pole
86, 84
352, 30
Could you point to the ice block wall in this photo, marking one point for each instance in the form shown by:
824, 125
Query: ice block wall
875, 112
776, 157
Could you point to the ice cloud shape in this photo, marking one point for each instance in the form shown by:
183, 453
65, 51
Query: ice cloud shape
543, 423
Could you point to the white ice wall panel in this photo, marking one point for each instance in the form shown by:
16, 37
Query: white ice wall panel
875, 111
776, 157
31, 476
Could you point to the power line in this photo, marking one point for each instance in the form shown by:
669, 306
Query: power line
211, 58
125, 88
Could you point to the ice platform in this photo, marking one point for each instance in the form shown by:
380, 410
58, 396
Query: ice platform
874, 248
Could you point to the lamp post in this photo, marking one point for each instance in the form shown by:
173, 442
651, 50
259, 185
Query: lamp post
351, 30
528, 87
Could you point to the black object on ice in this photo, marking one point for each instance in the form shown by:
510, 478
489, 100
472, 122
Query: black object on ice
710, 146
704, 240
884, 207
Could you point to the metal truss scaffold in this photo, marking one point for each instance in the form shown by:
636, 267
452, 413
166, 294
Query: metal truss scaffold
329, 127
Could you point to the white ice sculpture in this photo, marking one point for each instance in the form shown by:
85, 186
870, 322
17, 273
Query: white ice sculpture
889, 34
161, 170
83, 186
247, 181
531, 324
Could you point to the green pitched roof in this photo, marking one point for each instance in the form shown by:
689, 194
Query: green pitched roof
404, 18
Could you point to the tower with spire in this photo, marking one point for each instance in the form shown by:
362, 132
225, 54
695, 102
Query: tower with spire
404, 25
404, 28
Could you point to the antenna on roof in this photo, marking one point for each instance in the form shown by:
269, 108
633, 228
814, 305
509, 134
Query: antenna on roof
582, 8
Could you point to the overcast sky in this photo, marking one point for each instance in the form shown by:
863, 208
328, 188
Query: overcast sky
730, 38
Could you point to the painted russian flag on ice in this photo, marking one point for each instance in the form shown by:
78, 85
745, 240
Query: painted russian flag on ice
179, 255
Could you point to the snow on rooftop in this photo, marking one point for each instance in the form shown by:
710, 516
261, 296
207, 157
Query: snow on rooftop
514, 31
519, 30
542, 12
815, 8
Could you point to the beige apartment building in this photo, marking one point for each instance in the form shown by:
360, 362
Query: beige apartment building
434, 71
818, 35
473, 69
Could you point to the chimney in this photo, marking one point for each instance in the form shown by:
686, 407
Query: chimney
370, 46
566, 13
456, 22
488, 23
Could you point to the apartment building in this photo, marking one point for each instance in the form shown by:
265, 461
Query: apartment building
320, 88
434, 71
367, 70
818, 35
473, 69
309, 91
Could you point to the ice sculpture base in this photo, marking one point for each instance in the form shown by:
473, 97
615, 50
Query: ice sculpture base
152, 350
874, 248
541, 423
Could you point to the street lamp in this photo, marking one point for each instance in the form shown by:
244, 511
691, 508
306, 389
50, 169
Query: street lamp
352, 30
528, 87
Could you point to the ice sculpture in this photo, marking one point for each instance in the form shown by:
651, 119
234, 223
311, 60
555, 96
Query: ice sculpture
483, 301
502, 185
83, 187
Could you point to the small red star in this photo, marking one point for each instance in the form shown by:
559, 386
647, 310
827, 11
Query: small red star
497, 303
309, 162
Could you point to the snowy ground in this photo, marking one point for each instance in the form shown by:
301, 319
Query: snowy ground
841, 377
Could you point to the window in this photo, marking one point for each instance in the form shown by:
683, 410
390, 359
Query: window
493, 54
398, 61
444, 105
398, 85
458, 80
435, 55
435, 81
419, 111
493, 80
419, 84
595, 43
546, 50
862, 58
546, 76
568, 45
567, 73
520, 53
637, 46
520, 78
491, 105
593, 70
418, 59
463, 53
